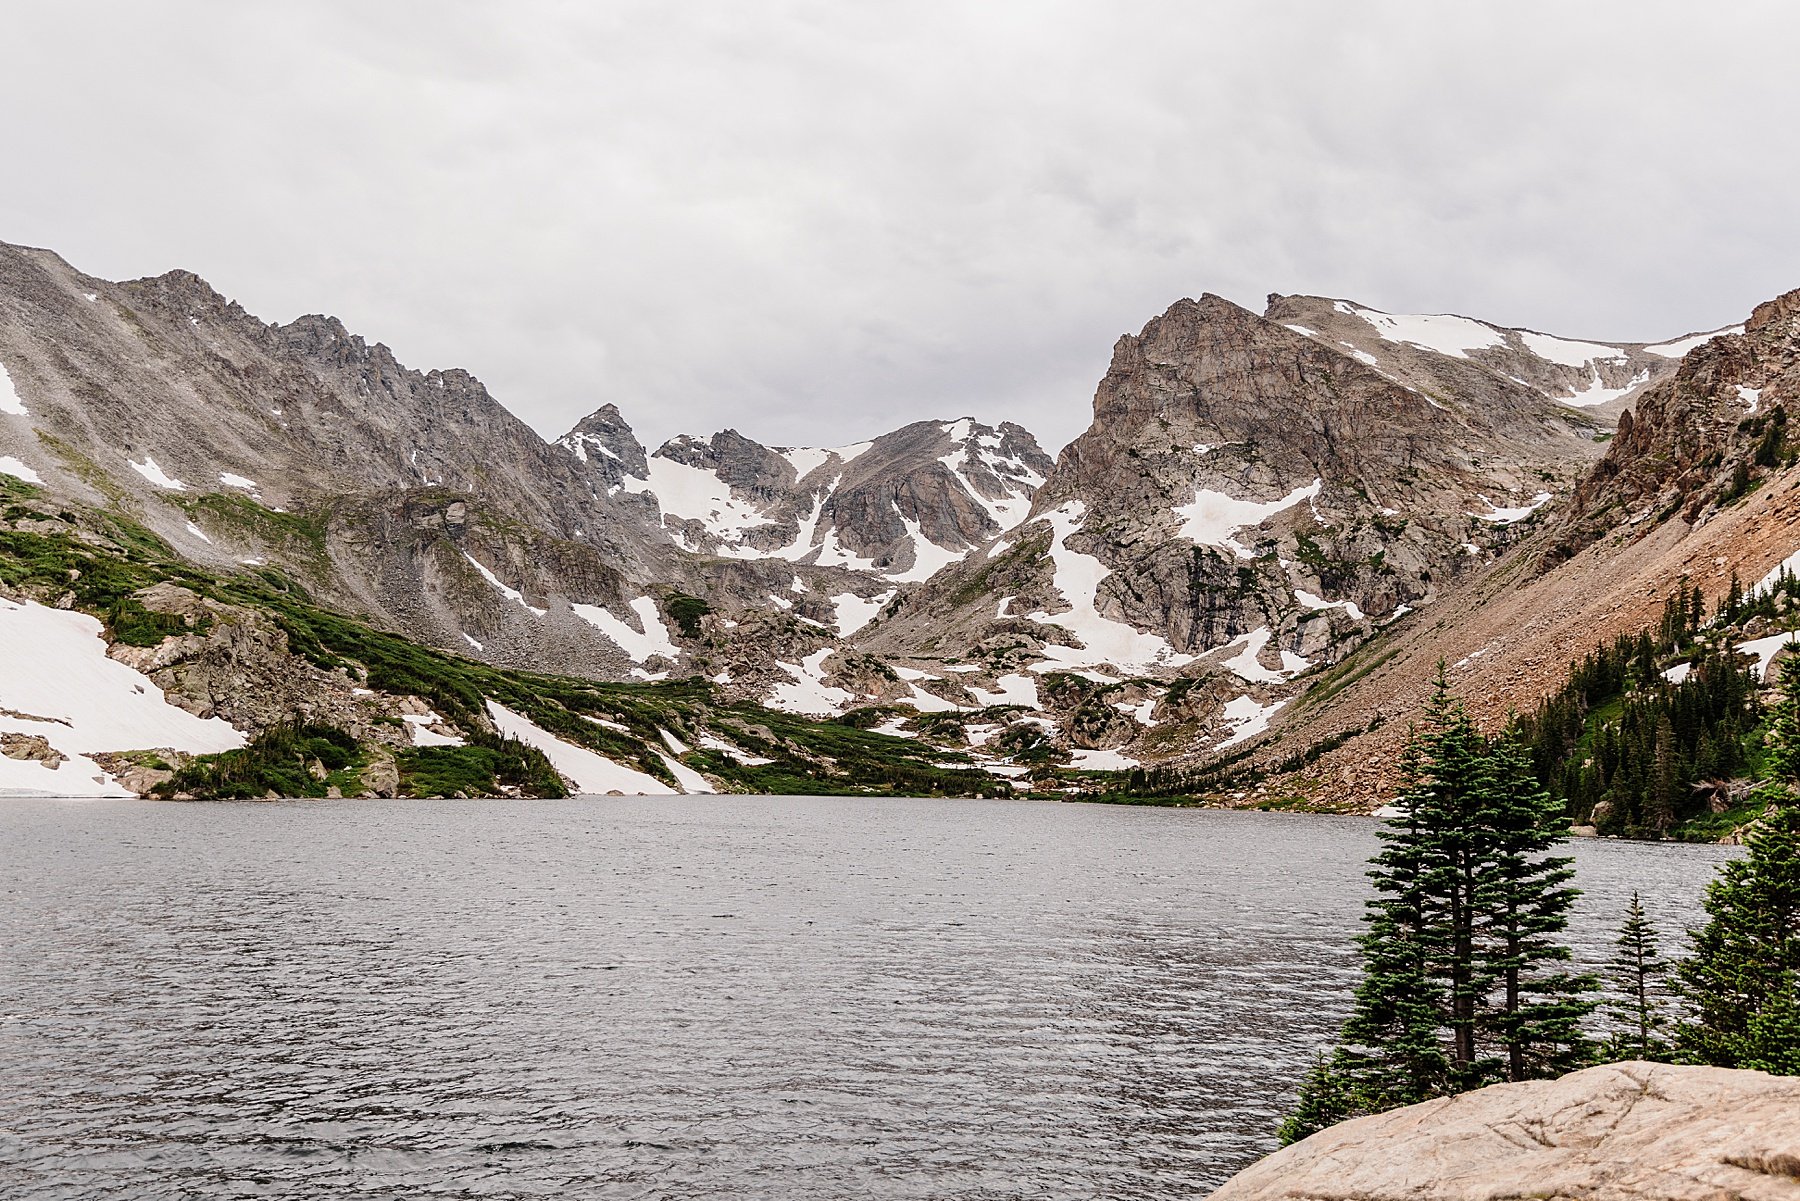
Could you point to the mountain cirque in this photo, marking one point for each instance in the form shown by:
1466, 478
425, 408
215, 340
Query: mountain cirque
1258, 499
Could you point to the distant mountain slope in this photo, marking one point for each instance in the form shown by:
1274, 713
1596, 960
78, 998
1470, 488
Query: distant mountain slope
1272, 524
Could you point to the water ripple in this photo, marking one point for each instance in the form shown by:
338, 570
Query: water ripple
675, 998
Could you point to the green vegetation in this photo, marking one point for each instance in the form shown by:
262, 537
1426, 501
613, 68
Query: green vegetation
1465, 980
1635, 752
1742, 982
104, 566
288, 761
686, 611
486, 765
1637, 988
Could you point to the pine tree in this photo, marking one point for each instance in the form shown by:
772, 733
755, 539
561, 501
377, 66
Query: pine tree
1463, 979
1636, 1010
1743, 978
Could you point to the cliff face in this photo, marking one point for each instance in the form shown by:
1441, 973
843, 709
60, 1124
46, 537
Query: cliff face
1624, 1132
1257, 498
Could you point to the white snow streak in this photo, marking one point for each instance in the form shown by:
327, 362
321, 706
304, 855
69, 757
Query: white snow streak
511, 594
1676, 349
1442, 332
1106, 641
591, 772
654, 640
156, 475
1567, 352
10, 403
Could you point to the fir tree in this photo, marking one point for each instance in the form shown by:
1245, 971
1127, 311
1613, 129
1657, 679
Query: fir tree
1743, 978
1464, 982
1525, 900
1636, 1010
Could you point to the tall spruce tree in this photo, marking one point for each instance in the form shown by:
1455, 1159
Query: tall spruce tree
1636, 1010
1742, 980
1464, 982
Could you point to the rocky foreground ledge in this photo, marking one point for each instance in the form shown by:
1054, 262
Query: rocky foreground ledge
1626, 1130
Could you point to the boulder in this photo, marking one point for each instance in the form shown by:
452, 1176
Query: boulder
1623, 1131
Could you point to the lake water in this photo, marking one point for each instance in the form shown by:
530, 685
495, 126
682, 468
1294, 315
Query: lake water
677, 997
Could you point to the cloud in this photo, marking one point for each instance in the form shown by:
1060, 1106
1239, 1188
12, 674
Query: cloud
816, 221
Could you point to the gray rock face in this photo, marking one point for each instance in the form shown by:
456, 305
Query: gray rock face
1240, 476
1623, 1132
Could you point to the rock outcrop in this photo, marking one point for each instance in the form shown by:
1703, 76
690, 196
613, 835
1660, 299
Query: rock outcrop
1623, 1132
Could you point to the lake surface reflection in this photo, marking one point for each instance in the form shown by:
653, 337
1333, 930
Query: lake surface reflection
678, 997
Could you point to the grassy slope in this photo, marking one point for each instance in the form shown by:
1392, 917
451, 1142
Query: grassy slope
99, 559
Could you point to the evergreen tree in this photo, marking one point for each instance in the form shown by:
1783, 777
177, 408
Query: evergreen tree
1525, 900
1638, 980
1743, 978
1463, 982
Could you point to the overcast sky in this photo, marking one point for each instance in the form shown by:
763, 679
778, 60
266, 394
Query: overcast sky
816, 221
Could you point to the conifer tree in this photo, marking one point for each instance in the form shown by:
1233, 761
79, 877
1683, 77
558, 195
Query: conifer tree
1464, 982
1525, 901
1636, 1010
1743, 978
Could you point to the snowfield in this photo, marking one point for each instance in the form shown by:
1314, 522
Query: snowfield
1676, 349
654, 640
590, 771
1442, 332
1215, 516
11, 466
56, 682
1106, 642
10, 404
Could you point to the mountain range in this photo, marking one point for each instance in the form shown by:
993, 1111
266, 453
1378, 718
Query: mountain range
1245, 569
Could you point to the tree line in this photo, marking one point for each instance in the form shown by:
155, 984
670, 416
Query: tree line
1638, 748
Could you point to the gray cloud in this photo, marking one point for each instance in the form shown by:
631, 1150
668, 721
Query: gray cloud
813, 221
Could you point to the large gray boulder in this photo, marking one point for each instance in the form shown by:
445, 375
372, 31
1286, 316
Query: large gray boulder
1625, 1130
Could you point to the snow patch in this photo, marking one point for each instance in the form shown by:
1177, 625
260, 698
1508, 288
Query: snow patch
1318, 602
591, 773
197, 532
1014, 689
854, 612
1508, 516
928, 557
1248, 718
11, 466
1597, 393
1567, 352
1442, 332
156, 475
1752, 397
56, 681
511, 594
696, 494
424, 735
654, 640
1091, 760
1765, 649
237, 481
809, 694
1215, 516
1676, 349
1788, 566
471, 641
1077, 577
10, 403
